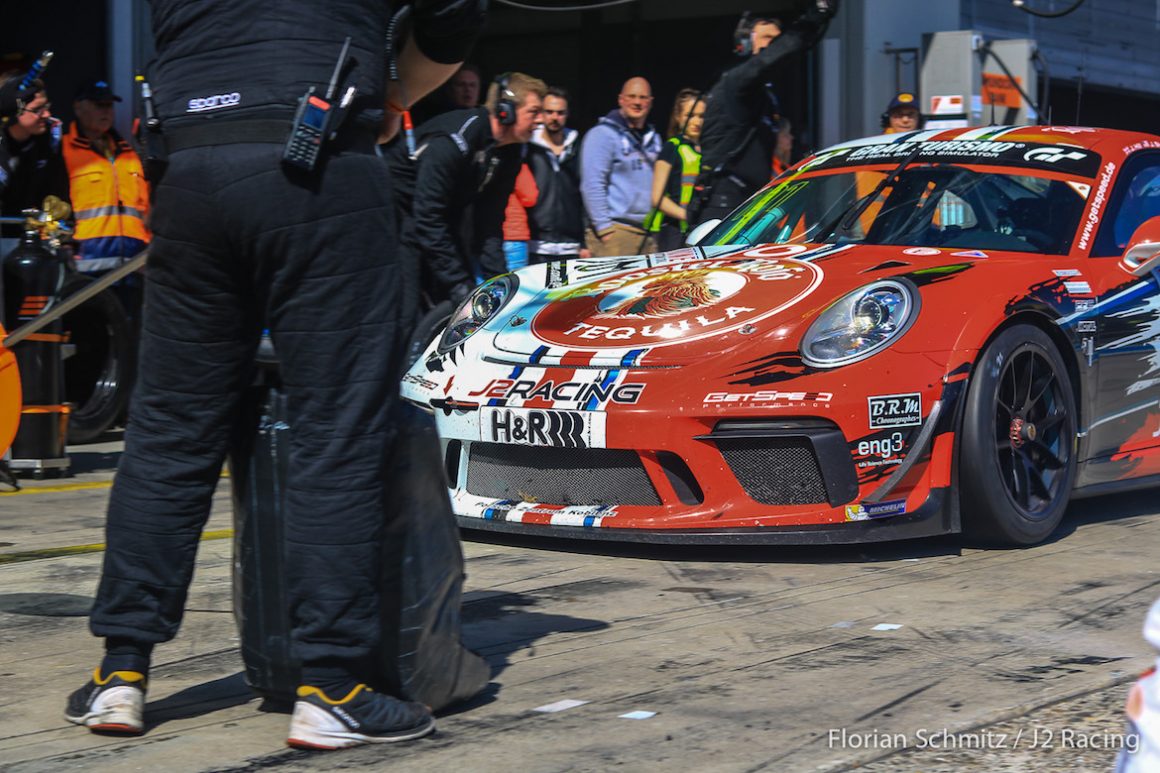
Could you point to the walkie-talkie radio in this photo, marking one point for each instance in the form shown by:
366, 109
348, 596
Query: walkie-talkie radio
315, 122
311, 125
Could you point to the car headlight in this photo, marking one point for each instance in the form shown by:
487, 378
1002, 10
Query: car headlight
477, 310
860, 324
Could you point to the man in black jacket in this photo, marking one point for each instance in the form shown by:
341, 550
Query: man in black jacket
557, 220
31, 166
247, 236
450, 196
741, 115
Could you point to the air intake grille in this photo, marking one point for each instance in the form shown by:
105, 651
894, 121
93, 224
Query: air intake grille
559, 476
775, 471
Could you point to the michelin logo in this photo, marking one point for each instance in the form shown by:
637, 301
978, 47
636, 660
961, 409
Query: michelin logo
213, 102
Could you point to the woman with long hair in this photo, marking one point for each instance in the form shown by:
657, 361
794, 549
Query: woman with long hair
676, 170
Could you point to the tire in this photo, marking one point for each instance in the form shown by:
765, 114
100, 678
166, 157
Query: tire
429, 325
98, 376
1017, 456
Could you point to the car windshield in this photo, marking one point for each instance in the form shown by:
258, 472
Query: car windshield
921, 205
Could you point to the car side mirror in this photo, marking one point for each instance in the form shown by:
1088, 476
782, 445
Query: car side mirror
702, 230
1143, 253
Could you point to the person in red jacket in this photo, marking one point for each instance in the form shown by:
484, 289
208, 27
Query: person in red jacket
515, 219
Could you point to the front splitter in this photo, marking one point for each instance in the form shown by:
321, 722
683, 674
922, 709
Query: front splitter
933, 519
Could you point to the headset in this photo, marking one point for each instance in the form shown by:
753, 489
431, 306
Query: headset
743, 32
742, 36
505, 105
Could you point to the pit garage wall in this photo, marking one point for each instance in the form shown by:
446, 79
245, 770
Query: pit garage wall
1109, 43
1106, 53
1104, 58
856, 77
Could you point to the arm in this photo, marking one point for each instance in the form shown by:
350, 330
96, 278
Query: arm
7, 162
526, 191
434, 188
442, 35
758, 69
595, 169
662, 201
57, 181
489, 215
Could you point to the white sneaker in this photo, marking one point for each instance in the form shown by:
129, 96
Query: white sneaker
115, 704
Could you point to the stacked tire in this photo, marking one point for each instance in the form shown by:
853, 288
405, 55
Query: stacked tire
98, 375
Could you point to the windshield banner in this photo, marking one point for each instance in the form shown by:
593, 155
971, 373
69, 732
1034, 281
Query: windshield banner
1066, 159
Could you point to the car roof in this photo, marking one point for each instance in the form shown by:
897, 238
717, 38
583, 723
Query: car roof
1080, 151
1110, 144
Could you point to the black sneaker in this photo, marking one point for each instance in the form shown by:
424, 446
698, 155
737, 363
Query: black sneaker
115, 704
363, 716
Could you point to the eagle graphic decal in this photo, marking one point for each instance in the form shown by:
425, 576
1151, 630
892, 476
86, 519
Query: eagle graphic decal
668, 294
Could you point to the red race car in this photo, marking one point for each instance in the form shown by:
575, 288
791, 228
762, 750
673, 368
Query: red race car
902, 336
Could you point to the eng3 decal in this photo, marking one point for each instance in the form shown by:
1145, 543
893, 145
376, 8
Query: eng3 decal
881, 451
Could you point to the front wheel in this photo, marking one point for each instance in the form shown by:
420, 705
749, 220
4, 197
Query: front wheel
1017, 457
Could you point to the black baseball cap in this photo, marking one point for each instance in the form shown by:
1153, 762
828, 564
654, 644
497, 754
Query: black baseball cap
97, 91
902, 100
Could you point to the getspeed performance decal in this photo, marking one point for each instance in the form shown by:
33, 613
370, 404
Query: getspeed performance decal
671, 304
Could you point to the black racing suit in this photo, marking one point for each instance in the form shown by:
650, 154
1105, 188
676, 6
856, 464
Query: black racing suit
450, 200
241, 243
740, 131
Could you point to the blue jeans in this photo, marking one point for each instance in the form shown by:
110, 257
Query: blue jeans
515, 254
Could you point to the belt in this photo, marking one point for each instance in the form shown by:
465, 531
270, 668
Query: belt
358, 136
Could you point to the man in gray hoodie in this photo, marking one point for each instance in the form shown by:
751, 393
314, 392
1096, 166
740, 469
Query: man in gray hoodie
616, 168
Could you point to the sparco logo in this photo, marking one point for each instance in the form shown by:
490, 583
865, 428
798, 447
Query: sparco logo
351, 721
1052, 155
214, 102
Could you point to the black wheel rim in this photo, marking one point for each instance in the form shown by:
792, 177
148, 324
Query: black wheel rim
1033, 432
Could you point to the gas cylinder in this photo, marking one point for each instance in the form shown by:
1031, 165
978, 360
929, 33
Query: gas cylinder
33, 277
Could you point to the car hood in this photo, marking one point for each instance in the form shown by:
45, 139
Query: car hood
684, 306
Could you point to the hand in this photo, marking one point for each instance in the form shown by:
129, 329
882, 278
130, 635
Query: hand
6, 161
457, 293
13, 98
585, 253
821, 11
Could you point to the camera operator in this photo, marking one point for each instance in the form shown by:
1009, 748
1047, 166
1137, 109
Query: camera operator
741, 117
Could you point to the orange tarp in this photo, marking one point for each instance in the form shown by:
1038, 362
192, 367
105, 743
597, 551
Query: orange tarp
10, 396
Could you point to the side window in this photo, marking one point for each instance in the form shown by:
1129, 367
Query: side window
1135, 199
